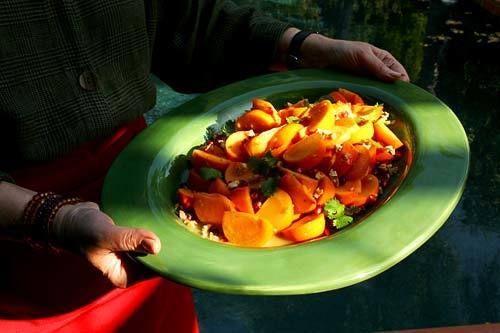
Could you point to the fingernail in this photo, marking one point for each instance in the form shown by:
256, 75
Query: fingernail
150, 245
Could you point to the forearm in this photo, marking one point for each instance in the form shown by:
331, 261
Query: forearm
13, 200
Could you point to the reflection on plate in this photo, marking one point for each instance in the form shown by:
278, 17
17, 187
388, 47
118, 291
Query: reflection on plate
140, 186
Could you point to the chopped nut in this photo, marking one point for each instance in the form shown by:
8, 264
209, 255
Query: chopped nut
390, 149
233, 184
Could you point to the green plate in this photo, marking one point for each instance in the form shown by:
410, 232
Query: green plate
140, 187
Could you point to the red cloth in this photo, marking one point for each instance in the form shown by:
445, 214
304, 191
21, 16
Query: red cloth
45, 292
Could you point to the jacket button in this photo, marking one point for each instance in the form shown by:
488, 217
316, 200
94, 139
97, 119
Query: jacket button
88, 81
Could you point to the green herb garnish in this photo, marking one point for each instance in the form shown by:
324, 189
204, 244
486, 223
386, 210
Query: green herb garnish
263, 165
270, 185
334, 209
342, 221
210, 173
228, 127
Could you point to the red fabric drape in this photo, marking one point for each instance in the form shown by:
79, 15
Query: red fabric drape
41, 291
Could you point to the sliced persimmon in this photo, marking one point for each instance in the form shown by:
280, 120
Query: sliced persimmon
199, 158
382, 155
322, 116
384, 135
363, 133
338, 97
327, 189
348, 191
240, 196
278, 209
246, 229
197, 182
257, 146
345, 159
234, 145
351, 97
256, 120
361, 166
186, 197
238, 171
306, 228
369, 191
214, 150
210, 207
267, 107
283, 138
306, 153
302, 199
292, 111
310, 183
218, 186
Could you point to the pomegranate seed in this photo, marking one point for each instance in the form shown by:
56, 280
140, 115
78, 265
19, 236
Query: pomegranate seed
318, 210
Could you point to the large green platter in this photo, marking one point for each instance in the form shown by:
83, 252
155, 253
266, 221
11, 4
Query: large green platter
140, 187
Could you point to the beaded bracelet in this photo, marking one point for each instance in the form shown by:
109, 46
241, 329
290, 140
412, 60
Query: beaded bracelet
40, 213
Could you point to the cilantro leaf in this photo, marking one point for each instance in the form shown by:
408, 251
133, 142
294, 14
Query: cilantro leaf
228, 127
262, 165
210, 173
292, 120
342, 221
334, 209
270, 185
211, 132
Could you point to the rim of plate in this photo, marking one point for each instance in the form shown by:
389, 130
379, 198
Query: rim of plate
134, 194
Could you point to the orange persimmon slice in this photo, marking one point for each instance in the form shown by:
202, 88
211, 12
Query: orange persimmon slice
210, 207
351, 97
306, 228
283, 138
267, 107
235, 149
199, 158
347, 192
240, 196
345, 159
363, 133
292, 111
327, 188
306, 153
310, 183
186, 197
369, 191
256, 120
322, 116
238, 171
338, 97
246, 229
218, 186
384, 135
361, 166
257, 146
278, 209
302, 199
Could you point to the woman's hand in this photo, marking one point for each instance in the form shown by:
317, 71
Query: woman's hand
85, 229
357, 57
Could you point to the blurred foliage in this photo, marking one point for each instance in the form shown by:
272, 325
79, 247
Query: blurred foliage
395, 25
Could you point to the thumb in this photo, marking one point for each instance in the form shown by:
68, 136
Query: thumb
378, 68
134, 240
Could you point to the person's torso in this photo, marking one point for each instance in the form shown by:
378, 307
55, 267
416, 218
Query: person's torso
71, 71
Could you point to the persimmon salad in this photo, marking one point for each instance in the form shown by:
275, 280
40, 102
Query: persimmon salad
296, 173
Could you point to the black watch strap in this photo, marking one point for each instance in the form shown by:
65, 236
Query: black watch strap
294, 55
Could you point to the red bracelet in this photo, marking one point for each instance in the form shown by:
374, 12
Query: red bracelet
40, 213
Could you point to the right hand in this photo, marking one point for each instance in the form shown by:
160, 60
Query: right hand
85, 229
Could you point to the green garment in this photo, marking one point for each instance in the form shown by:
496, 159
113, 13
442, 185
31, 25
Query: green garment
72, 71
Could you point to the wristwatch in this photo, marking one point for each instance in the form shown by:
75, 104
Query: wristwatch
294, 56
